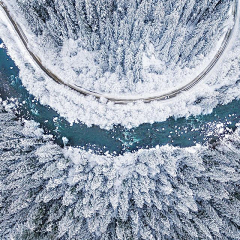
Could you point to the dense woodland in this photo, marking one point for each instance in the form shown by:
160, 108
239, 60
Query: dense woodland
48, 192
120, 32
166, 193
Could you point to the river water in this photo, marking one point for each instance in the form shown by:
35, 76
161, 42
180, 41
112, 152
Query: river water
183, 132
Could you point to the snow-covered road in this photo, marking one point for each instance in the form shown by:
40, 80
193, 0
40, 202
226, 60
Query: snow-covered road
125, 99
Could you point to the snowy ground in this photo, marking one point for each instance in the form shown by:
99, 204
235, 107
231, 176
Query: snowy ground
220, 87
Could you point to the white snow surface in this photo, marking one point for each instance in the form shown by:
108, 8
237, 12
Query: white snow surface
221, 86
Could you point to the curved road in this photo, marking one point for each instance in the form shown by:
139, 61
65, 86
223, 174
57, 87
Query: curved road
125, 100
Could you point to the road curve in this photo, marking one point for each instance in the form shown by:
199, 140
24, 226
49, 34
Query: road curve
125, 100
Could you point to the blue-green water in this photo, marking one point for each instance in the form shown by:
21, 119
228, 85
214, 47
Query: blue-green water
181, 132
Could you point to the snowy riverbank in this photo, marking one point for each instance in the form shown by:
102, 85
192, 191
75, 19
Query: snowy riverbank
220, 87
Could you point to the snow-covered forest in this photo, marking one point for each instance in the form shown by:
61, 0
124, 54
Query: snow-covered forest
219, 87
116, 46
164, 193
49, 192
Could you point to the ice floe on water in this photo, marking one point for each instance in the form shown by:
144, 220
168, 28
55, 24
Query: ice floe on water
2, 45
